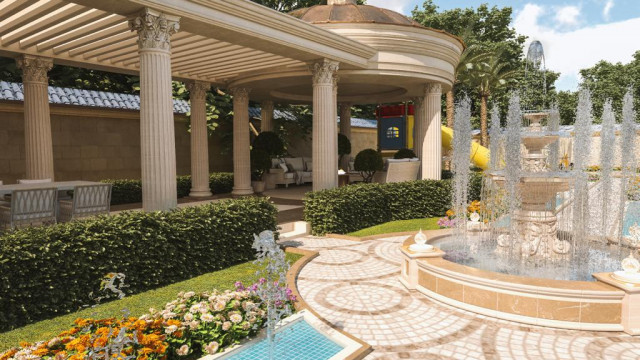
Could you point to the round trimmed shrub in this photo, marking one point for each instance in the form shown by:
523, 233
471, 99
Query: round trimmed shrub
367, 162
269, 142
404, 154
260, 163
344, 145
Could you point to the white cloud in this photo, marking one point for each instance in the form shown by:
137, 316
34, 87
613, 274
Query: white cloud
570, 51
606, 12
395, 5
568, 15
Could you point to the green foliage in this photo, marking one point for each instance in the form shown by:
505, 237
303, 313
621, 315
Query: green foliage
355, 207
611, 81
138, 304
53, 270
127, 191
270, 143
367, 162
260, 163
567, 105
399, 226
404, 154
344, 145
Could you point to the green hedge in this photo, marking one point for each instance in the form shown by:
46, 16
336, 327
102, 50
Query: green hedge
355, 207
53, 270
130, 191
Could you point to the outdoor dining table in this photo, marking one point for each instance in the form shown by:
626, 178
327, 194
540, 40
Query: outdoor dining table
60, 185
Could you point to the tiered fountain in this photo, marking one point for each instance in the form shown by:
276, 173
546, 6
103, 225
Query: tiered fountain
552, 238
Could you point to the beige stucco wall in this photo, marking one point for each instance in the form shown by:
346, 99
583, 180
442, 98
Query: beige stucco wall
361, 138
92, 144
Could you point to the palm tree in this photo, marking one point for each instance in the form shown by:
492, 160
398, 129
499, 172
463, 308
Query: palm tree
486, 76
471, 55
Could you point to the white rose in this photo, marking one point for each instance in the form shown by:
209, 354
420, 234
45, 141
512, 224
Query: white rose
235, 318
189, 294
194, 324
219, 305
188, 316
207, 317
184, 350
226, 325
212, 348
170, 329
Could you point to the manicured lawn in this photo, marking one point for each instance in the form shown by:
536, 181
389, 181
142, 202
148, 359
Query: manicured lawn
136, 304
399, 226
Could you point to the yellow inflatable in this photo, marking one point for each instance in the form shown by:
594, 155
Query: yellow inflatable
479, 154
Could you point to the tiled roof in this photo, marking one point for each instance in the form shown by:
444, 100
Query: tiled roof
70, 96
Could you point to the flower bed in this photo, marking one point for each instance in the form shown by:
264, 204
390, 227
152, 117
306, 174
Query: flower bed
187, 328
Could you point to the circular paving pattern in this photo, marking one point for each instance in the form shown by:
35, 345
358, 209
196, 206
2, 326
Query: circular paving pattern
354, 286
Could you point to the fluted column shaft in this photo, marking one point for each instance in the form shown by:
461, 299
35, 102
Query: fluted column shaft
325, 126
345, 129
37, 119
241, 143
157, 132
266, 115
199, 139
431, 149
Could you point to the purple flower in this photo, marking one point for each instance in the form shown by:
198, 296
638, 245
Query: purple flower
239, 286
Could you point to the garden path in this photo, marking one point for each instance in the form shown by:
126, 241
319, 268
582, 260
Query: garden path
355, 286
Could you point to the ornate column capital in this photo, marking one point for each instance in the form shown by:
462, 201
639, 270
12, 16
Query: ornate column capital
240, 94
34, 68
325, 72
154, 29
198, 89
433, 88
418, 101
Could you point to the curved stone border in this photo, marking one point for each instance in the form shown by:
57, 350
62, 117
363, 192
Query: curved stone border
578, 305
292, 276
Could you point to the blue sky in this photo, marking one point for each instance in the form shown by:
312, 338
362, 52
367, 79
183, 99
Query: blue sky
575, 33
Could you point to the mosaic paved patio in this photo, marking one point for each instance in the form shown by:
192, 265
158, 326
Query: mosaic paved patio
355, 286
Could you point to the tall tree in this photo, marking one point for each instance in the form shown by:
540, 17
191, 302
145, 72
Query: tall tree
487, 76
611, 81
484, 29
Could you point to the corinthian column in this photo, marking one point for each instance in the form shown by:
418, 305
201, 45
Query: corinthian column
266, 115
157, 133
37, 119
427, 135
325, 126
199, 139
345, 129
241, 143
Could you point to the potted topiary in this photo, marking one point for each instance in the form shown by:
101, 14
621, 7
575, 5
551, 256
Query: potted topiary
260, 164
271, 143
344, 148
404, 154
367, 162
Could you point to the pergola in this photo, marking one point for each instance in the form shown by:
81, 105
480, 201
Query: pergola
247, 48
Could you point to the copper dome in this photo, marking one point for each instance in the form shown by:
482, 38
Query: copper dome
346, 11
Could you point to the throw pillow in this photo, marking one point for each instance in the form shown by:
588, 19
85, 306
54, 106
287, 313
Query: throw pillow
284, 167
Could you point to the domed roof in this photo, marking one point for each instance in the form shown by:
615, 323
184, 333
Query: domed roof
346, 11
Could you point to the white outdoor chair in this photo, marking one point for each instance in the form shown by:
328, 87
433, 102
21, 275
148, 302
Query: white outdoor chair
30, 207
88, 200
398, 172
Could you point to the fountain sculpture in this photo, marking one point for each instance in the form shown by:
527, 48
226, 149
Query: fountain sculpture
554, 240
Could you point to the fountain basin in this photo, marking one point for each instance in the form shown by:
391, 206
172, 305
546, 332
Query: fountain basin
603, 305
301, 336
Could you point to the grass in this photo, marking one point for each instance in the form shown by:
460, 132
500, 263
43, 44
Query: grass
399, 226
137, 304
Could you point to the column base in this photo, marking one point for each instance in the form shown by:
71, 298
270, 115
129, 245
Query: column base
242, 192
200, 193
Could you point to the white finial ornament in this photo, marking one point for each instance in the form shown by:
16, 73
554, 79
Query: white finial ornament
420, 243
631, 266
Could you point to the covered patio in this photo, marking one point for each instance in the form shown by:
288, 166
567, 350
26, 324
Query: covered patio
330, 61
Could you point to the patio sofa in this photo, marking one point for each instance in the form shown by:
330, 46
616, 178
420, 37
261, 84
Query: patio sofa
292, 170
